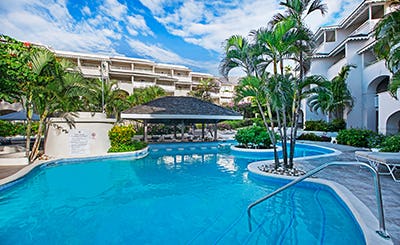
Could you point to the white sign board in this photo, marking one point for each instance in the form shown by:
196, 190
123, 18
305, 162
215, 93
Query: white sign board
79, 142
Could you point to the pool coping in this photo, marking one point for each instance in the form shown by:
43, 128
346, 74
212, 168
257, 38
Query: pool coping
15, 178
365, 218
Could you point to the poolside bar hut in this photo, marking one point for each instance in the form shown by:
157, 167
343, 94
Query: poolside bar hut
180, 110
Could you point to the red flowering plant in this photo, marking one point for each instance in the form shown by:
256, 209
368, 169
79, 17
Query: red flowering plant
15, 68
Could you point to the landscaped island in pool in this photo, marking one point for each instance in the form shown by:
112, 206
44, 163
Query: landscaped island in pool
178, 194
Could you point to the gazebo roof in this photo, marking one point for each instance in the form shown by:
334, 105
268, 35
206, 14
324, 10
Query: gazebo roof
177, 109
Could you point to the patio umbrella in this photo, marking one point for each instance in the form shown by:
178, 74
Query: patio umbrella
18, 116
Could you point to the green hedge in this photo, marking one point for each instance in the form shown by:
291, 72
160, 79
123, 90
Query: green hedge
133, 146
121, 139
314, 137
11, 129
320, 125
355, 137
253, 136
391, 144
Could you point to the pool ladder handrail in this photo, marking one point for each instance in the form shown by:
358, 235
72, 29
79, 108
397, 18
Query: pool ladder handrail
382, 229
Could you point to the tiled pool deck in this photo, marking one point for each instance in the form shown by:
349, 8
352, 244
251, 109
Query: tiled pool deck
357, 180
360, 182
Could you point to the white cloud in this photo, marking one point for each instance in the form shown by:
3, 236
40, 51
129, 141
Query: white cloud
50, 23
138, 24
162, 55
86, 10
114, 9
209, 24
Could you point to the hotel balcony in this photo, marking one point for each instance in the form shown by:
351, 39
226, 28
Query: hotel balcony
375, 70
335, 68
91, 71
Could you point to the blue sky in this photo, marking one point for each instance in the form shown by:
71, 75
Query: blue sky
182, 32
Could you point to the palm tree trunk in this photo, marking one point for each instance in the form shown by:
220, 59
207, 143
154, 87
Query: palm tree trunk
29, 113
38, 139
270, 131
295, 113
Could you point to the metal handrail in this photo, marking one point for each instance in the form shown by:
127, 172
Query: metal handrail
382, 229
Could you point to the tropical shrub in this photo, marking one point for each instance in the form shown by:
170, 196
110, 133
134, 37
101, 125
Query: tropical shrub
224, 126
121, 139
121, 135
12, 129
391, 144
354, 137
320, 125
314, 137
253, 137
376, 140
133, 146
336, 125
239, 123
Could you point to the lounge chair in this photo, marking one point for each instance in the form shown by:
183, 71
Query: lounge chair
391, 160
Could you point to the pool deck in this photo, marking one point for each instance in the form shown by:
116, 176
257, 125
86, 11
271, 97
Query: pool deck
359, 181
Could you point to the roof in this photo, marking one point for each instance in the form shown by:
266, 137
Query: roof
178, 109
18, 116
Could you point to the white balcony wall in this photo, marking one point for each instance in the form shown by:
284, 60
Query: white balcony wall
128, 87
375, 70
91, 71
167, 88
181, 92
143, 84
335, 68
183, 79
387, 107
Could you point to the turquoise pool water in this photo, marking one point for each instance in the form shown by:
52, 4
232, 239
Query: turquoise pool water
178, 194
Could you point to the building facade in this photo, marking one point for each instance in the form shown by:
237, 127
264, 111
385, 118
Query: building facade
134, 73
351, 42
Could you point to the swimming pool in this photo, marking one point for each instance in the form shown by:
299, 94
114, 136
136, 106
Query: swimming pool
178, 194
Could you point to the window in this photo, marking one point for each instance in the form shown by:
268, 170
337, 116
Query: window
377, 12
330, 36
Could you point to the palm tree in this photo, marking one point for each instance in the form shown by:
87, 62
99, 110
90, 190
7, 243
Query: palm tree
387, 34
298, 11
143, 95
239, 53
204, 89
58, 90
256, 89
333, 96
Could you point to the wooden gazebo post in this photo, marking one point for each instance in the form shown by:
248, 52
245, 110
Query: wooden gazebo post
215, 131
202, 131
145, 131
182, 130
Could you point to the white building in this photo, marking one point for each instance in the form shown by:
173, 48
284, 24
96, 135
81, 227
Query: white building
133, 73
351, 42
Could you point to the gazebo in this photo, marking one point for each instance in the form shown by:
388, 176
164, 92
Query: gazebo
175, 110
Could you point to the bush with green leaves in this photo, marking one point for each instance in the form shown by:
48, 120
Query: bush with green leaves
354, 137
320, 125
376, 140
134, 146
391, 144
11, 129
314, 137
336, 125
253, 137
121, 139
